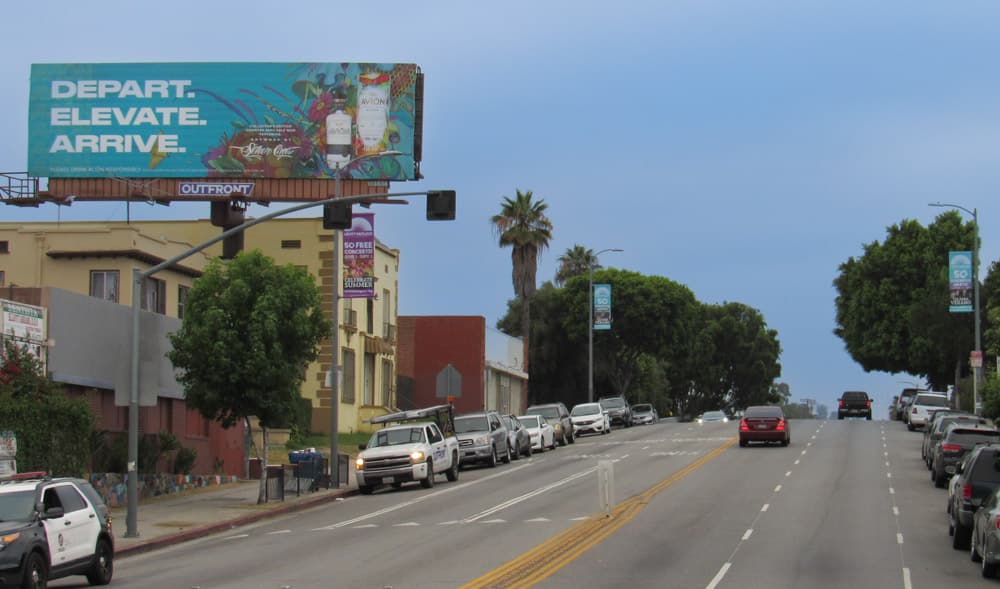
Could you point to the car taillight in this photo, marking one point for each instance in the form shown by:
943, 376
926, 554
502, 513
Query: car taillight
744, 426
868, 403
998, 522
951, 448
967, 491
780, 426
841, 401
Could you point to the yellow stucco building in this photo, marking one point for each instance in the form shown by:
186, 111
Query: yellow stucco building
97, 259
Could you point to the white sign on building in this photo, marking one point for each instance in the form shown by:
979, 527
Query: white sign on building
25, 326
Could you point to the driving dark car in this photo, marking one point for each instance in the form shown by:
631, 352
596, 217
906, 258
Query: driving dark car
939, 424
558, 417
618, 410
764, 423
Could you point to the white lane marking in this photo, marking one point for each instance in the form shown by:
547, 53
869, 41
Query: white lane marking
624, 456
886, 454
797, 461
528, 495
718, 576
809, 443
449, 523
237, 537
906, 579
887, 464
778, 488
365, 526
746, 535
579, 519
899, 538
892, 491
888, 475
495, 521
766, 505
448, 489
538, 519
279, 532
813, 438
788, 474
645, 447
895, 511
406, 525
803, 451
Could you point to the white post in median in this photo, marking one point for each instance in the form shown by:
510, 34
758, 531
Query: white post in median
605, 486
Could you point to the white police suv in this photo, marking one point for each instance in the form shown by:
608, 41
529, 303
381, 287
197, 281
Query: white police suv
52, 528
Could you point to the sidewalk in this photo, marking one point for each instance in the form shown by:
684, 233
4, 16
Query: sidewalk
168, 520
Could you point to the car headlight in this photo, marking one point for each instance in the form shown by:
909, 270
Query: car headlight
9, 539
481, 441
417, 456
699, 420
359, 463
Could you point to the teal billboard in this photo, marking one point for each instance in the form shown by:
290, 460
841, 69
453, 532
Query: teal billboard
602, 307
225, 120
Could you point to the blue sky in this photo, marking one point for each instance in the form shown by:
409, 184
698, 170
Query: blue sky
744, 149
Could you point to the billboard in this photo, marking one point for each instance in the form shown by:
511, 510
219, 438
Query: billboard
602, 306
359, 257
960, 281
24, 325
358, 121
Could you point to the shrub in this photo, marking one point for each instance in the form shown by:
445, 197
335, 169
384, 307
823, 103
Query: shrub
184, 460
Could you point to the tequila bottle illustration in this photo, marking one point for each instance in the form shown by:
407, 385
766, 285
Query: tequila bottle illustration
373, 111
338, 132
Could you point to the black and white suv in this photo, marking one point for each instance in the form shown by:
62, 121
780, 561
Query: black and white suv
53, 528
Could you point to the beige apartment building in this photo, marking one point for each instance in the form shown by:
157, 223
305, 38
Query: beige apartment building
97, 259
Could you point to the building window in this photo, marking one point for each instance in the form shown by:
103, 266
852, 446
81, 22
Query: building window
291, 244
386, 383
369, 392
154, 296
3, 278
104, 285
388, 329
4, 247
182, 295
370, 309
347, 392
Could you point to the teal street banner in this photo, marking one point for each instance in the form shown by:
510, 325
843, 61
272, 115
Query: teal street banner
602, 307
960, 281
357, 121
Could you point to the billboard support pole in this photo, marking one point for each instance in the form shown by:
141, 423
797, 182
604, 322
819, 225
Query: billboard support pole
139, 276
334, 355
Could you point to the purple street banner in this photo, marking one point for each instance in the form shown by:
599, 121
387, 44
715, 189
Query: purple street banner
358, 121
359, 257
960, 281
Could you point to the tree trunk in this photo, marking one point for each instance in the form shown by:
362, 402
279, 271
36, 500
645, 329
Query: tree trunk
262, 493
525, 339
247, 447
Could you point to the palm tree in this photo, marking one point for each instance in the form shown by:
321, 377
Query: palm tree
523, 226
575, 262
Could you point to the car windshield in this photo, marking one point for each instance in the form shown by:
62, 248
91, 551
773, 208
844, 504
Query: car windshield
931, 401
714, 415
530, 421
972, 437
546, 412
763, 412
17, 505
471, 423
613, 403
642, 408
394, 437
588, 409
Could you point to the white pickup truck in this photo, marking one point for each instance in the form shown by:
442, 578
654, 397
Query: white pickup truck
422, 445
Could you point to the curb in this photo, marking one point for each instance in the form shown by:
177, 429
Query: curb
201, 531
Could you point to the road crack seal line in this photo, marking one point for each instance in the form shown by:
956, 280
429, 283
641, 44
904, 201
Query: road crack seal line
547, 558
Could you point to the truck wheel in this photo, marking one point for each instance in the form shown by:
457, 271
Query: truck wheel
366, 489
428, 482
962, 537
36, 574
869, 417
506, 456
572, 437
517, 451
493, 457
103, 565
452, 473
529, 450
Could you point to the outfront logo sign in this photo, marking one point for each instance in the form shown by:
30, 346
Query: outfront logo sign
217, 120
214, 188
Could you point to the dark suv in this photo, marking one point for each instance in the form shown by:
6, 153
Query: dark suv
976, 477
618, 410
854, 404
558, 417
957, 440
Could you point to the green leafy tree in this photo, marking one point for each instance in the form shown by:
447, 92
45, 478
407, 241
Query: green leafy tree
523, 226
990, 300
892, 302
577, 261
250, 329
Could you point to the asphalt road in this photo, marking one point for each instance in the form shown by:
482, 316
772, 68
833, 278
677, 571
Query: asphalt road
847, 504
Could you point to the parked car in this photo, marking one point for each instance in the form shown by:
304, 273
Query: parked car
957, 440
921, 407
618, 410
558, 417
976, 477
903, 402
764, 423
590, 418
985, 541
518, 438
53, 528
644, 413
713, 416
482, 437
540, 430
937, 426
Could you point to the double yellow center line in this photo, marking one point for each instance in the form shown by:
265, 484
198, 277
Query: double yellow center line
548, 557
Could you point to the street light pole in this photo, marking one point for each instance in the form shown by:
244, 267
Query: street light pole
977, 371
590, 324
